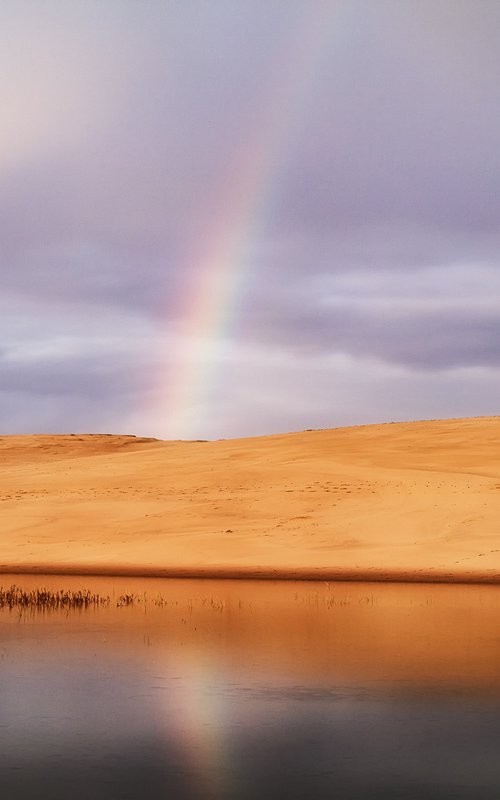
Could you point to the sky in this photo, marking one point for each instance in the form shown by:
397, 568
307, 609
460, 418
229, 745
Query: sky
225, 218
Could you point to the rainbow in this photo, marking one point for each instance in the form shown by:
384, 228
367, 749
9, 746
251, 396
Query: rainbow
220, 269
195, 714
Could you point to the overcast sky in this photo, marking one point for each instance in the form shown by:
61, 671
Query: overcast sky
234, 217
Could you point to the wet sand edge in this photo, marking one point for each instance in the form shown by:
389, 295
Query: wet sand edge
234, 572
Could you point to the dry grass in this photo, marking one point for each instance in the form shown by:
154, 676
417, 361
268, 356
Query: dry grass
44, 599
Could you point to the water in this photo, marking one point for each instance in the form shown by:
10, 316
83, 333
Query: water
250, 689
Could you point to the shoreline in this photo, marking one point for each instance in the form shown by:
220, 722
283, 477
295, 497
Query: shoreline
319, 575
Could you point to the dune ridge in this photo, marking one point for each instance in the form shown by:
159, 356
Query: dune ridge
406, 502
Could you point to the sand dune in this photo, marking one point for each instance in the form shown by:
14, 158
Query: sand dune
413, 501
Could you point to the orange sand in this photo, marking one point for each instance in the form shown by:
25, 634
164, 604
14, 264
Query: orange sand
413, 501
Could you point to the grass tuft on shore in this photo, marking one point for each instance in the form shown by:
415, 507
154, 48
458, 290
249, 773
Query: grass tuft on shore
44, 599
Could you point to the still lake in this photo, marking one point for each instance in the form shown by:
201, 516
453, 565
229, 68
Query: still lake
249, 690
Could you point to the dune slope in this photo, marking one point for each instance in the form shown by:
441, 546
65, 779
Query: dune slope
413, 501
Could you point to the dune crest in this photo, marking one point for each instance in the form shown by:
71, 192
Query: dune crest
406, 501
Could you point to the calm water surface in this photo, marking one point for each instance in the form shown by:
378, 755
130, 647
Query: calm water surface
236, 689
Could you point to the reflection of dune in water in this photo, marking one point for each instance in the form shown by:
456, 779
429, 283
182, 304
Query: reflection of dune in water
301, 632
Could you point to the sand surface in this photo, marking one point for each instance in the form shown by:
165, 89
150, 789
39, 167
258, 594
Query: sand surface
412, 501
